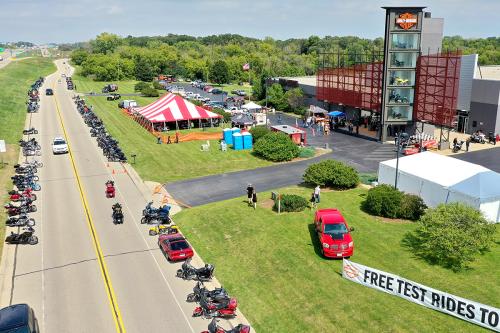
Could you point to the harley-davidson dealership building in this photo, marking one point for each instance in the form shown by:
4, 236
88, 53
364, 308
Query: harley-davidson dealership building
412, 85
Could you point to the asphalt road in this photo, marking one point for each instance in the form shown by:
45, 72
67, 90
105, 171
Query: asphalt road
489, 158
362, 154
6, 55
61, 277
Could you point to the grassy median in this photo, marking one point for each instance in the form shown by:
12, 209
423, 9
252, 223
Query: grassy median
271, 263
15, 80
162, 163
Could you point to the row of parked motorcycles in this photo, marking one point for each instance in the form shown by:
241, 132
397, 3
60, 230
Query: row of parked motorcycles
25, 182
32, 105
106, 142
215, 303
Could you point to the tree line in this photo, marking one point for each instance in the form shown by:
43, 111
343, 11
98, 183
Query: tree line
220, 58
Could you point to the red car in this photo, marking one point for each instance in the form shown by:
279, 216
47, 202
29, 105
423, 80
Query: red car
334, 234
175, 246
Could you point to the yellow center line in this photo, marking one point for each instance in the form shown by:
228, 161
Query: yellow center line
102, 264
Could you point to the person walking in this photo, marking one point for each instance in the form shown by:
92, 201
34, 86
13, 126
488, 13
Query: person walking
250, 191
254, 200
313, 201
317, 193
158, 140
467, 143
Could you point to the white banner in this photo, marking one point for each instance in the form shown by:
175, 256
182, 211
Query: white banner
462, 308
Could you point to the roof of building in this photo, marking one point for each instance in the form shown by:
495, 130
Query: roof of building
488, 72
305, 80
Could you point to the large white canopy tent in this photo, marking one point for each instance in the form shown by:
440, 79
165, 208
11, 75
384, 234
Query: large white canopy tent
441, 179
251, 106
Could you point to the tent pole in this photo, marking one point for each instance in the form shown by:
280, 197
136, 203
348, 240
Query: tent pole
176, 125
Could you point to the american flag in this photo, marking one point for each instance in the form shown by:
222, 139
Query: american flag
246, 67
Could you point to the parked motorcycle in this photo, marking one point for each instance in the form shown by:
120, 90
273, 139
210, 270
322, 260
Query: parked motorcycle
457, 146
199, 290
29, 131
152, 215
477, 138
188, 272
208, 308
491, 138
20, 195
26, 169
21, 221
214, 328
27, 237
17, 210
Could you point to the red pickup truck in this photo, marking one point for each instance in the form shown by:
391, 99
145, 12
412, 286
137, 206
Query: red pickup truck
334, 234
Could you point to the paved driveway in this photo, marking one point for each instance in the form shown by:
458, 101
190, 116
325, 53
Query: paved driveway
489, 158
362, 154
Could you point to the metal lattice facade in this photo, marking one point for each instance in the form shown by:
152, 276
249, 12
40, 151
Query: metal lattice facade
351, 79
436, 88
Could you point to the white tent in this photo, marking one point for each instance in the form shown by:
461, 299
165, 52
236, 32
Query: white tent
441, 179
251, 106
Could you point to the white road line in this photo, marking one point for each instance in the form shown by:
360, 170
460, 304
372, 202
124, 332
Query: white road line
146, 242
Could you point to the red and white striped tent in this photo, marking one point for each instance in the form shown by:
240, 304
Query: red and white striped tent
173, 108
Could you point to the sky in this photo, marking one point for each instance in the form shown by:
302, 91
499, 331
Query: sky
61, 21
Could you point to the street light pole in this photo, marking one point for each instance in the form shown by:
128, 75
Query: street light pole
266, 91
398, 138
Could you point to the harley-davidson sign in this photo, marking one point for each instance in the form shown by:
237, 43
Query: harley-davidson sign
406, 20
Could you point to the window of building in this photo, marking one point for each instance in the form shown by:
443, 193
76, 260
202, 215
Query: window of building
400, 96
401, 78
404, 41
403, 113
403, 59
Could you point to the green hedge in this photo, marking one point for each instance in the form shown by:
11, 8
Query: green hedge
291, 203
306, 152
259, 131
333, 174
276, 147
385, 200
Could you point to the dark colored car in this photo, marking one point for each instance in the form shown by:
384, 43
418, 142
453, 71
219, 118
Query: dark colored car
216, 91
49, 92
175, 246
113, 97
18, 318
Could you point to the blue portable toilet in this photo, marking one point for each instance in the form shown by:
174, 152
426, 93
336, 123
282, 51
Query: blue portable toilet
237, 141
228, 136
236, 130
247, 140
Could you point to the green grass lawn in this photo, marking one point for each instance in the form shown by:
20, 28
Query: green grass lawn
271, 263
162, 163
15, 79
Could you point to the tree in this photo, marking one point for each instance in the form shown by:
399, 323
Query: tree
451, 235
295, 98
144, 71
276, 97
218, 72
79, 56
105, 43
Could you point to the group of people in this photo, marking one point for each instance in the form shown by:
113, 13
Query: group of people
169, 139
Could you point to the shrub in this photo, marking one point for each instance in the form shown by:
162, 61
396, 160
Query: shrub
258, 132
332, 173
412, 207
226, 116
291, 203
276, 147
150, 92
306, 152
140, 86
157, 85
383, 200
451, 235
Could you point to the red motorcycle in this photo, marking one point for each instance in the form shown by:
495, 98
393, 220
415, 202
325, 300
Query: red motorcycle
224, 308
214, 328
17, 210
110, 189
26, 194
